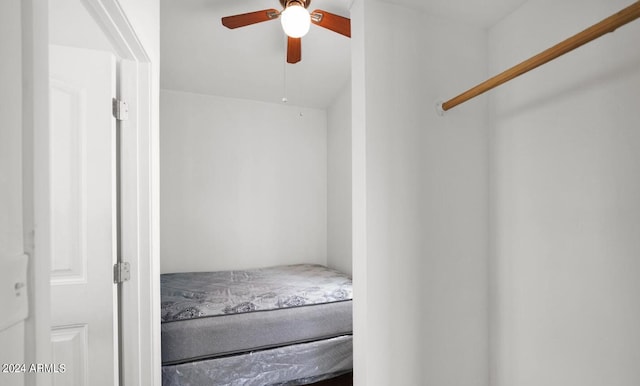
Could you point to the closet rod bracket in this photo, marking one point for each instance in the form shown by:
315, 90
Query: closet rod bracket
439, 110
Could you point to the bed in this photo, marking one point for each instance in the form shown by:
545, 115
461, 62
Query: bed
287, 325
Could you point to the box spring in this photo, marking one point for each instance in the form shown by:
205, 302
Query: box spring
211, 317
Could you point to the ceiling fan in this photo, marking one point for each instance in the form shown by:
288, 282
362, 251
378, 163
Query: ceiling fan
296, 20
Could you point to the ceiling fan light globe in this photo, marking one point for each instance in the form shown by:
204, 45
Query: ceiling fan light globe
296, 21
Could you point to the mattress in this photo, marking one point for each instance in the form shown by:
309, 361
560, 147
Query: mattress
214, 314
299, 364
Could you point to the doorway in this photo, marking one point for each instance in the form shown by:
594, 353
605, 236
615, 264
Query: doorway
69, 164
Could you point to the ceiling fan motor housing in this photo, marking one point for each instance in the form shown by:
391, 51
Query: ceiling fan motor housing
286, 3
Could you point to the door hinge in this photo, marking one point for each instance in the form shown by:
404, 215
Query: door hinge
121, 272
120, 110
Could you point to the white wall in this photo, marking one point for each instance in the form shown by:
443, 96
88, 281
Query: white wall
423, 275
63, 33
144, 16
11, 240
339, 247
11, 133
243, 183
565, 197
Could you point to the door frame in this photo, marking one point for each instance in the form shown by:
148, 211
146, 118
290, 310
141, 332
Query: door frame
139, 193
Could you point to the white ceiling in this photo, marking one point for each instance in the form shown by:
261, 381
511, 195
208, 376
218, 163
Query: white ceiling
481, 13
199, 55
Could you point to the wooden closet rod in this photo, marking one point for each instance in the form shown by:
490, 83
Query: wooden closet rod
607, 25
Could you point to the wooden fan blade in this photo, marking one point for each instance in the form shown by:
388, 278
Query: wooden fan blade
335, 23
246, 19
294, 50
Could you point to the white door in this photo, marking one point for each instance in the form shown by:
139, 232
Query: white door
83, 218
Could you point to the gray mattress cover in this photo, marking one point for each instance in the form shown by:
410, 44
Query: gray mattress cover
212, 314
293, 365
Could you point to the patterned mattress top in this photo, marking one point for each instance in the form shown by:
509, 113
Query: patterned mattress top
201, 294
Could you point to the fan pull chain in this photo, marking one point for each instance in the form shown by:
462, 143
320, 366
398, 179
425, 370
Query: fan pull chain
284, 74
